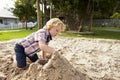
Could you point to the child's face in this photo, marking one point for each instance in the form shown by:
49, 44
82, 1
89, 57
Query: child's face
55, 31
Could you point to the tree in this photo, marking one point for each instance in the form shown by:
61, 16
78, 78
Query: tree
83, 10
116, 16
75, 8
104, 8
24, 10
38, 13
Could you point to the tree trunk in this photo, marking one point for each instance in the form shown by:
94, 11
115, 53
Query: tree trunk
50, 10
45, 11
38, 14
91, 17
81, 26
26, 25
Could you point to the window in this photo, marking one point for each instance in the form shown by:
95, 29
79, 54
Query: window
1, 21
5, 21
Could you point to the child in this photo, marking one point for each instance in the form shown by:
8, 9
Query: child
37, 41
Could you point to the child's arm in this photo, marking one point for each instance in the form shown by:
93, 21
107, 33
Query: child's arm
43, 55
45, 48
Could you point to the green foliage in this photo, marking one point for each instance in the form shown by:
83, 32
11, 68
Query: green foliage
104, 8
116, 15
117, 7
25, 10
78, 6
77, 11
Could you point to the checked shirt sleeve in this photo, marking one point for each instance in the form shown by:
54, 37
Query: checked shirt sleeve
40, 36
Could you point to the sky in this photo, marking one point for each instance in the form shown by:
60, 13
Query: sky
6, 4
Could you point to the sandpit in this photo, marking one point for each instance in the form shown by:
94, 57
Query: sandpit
81, 59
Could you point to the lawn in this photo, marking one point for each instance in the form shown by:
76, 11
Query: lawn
13, 34
7, 35
105, 33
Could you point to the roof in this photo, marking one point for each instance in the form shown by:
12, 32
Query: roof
4, 13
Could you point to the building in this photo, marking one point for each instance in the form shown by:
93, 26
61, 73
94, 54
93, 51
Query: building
8, 20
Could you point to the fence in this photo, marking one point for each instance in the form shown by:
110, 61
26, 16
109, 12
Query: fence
17, 25
9, 26
107, 22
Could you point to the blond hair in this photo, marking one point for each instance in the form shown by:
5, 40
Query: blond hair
54, 22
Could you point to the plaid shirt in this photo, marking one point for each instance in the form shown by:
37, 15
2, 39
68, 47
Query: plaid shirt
30, 43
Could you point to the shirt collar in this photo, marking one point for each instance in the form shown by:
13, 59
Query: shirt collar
49, 35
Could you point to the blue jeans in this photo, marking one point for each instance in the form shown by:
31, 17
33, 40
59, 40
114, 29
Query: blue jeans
21, 56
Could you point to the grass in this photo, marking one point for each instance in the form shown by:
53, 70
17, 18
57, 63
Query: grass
97, 34
7, 35
105, 34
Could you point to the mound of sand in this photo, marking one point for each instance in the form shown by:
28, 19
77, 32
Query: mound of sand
57, 68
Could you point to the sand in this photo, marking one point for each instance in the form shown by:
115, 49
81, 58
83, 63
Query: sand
81, 59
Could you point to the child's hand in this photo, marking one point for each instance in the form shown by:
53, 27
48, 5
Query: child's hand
48, 56
42, 61
59, 51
